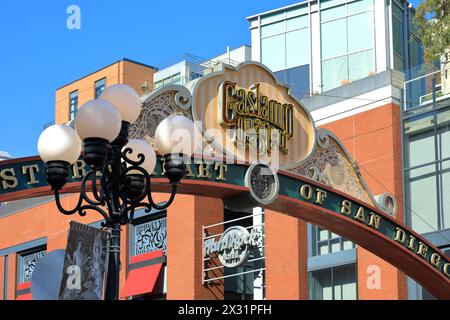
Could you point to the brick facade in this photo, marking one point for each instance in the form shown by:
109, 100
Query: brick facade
373, 139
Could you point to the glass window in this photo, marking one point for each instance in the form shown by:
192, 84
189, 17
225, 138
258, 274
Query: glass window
334, 72
347, 244
398, 37
334, 38
335, 245
157, 85
269, 18
359, 6
325, 242
244, 286
443, 127
176, 78
323, 248
150, 236
351, 33
445, 191
27, 263
422, 198
421, 151
272, 29
332, 13
399, 63
99, 87
415, 51
195, 75
297, 23
73, 104
360, 31
296, 11
297, 48
360, 65
397, 9
338, 283
297, 79
412, 24
273, 52
345, 279
324, 234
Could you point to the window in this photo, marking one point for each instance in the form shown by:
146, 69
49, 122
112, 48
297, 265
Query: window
285, 41
325, 242
247, 285
415, 51
337, 283
347, 41
173, 79
334, 72
157, 85
360, 32
176, 79
149, 235
99, 87
334, 38
297, 48
272, 29
360, 65
425, 294
195, 75
73, 104
27, 262
427, 171
398, 36
297, 79
273, 51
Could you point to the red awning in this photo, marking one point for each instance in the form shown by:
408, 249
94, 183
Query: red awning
25, 288
142, 280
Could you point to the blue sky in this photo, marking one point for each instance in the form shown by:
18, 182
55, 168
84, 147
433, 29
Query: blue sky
39, 53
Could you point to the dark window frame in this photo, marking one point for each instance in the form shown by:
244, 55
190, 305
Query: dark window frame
312, 289
329, 241
139, 221
73, 111
96, 86
21, 256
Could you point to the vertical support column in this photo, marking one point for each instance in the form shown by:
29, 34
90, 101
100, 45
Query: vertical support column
124, 256
12, 276
258, 283
2, 277
286, 257
185, 218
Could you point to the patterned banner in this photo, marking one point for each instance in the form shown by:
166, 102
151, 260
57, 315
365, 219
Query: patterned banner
84, 264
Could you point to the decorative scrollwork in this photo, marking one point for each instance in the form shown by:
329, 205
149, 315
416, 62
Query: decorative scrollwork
329, 164
150, 236
183, 99
29, 262
157, 108
120, 204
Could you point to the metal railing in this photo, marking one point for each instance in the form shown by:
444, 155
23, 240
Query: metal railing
426, 89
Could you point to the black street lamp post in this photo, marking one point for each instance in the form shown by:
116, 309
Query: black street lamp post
120, 168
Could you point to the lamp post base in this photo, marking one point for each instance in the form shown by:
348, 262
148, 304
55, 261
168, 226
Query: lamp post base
113, 273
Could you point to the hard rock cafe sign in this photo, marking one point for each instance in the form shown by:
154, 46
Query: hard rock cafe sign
234, 246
